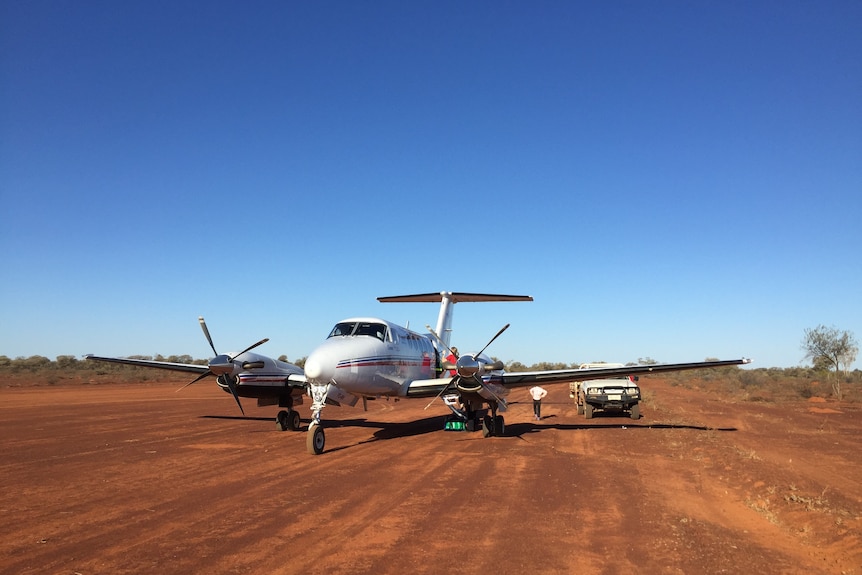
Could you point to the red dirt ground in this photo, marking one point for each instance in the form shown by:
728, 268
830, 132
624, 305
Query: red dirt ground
133, 478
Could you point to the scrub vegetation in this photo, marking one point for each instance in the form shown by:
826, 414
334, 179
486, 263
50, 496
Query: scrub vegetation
758, 384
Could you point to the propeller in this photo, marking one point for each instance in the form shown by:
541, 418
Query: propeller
469, 366
222, 365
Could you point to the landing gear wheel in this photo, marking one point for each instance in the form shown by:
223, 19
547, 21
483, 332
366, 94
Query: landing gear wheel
282, 421
315, 439
487, 426
588, 411
293, 420
499, 426
636, 411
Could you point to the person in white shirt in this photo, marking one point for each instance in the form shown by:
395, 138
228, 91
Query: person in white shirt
537, 393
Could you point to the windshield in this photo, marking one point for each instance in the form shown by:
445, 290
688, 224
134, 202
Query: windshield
373, 329
377, 330
344, 328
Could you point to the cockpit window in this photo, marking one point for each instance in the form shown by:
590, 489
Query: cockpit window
344, 328
377, 330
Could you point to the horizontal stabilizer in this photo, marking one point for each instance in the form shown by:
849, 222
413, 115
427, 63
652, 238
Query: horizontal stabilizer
454, 297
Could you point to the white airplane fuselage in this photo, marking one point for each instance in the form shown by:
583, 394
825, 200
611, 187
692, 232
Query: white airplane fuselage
373, 357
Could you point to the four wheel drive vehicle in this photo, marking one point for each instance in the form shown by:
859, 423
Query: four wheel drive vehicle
618, 394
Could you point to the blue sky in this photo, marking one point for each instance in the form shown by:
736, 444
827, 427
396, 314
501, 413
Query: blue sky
674, 180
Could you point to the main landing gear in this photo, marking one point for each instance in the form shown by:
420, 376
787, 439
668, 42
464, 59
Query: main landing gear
287, 420
493, 424
466, 411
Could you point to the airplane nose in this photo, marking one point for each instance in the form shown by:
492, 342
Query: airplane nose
318, 370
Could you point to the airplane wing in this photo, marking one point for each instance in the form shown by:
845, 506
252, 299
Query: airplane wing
432, 387
186, 367
518, 379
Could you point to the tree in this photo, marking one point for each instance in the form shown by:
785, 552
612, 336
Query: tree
827, 347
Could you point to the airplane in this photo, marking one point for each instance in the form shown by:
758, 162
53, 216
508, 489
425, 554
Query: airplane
370, 357
245, 374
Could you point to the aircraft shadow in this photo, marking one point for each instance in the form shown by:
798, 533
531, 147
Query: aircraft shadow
519, 429
387, 430
390, 430
384, 430
237, 417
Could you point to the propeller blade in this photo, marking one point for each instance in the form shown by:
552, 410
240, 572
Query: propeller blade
442, 391
505, 327
251, 347
440, 341
231, 384
207, 373
494, 395
497, 365
207, 333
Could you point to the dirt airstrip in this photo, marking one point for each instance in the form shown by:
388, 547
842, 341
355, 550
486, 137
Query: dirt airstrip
135, 478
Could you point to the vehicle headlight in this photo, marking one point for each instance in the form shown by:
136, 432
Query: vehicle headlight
593, 390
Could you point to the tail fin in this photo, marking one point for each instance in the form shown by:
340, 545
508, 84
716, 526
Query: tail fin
447, 299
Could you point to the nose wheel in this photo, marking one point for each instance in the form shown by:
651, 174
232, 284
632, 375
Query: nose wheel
315, 439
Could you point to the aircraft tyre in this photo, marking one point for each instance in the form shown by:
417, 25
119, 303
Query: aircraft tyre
282, 420
287, 420
315, 439
487, 426
588, 411
293, 421
636, 411
499, 426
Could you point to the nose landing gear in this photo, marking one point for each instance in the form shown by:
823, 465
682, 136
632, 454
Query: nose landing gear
315, 439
